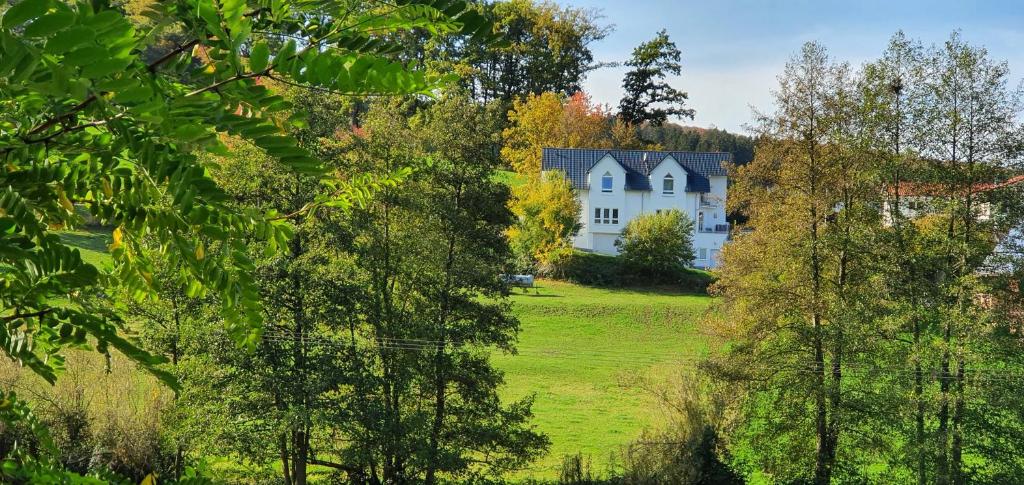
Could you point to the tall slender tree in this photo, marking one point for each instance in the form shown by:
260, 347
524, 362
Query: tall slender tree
797, 313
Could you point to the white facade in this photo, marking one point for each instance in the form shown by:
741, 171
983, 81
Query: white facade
600, 230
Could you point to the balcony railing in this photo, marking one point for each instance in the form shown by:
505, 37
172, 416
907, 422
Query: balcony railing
715, 229
708, 201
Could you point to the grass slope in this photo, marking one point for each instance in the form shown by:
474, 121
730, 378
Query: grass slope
583, 353
92, 243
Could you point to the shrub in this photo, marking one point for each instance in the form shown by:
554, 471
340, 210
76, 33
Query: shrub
587, 269
657, 247
687, 450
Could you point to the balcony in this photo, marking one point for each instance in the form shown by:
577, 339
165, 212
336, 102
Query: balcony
707, 200
715, 229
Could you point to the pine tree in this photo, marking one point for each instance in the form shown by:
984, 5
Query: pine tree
649, 98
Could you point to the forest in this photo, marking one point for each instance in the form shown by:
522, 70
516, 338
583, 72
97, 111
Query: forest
266, 241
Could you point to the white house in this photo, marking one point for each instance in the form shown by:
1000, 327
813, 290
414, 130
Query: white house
614, 186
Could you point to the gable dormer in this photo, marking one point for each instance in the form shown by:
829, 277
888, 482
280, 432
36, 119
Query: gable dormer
607, 176
668, 178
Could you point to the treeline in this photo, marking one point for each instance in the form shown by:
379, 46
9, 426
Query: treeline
872, 308
671, 136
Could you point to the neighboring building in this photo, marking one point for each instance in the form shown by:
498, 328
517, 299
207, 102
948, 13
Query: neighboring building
918, 199
614, 186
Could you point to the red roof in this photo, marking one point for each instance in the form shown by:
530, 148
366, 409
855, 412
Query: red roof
915, 189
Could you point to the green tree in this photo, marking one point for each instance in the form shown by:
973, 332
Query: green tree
648, 98
657, 246
671, 136
546, 49
795, 303
971, 128
430, 253
90, 122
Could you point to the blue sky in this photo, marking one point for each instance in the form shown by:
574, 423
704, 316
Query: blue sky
733, 50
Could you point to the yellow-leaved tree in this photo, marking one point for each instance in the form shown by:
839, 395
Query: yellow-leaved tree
552, 120
548, 217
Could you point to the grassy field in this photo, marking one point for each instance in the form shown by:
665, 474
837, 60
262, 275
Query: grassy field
92, 243
584, 352
510, 178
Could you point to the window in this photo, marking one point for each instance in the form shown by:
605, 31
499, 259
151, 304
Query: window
606, 216
606, 182
668, 185
702, 253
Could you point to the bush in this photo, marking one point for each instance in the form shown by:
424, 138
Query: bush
594, 269
658, 247
687, 450
587, 269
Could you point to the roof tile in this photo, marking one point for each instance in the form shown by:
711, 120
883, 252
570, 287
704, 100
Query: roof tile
577, 162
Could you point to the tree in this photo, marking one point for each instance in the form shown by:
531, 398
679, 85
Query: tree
546, 49
648, 97
551, 120
971, 133
95, 125
657, 246
548, 214
430, 253
795, 294
671, 136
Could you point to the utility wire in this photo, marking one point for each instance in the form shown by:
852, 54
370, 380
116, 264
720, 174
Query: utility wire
593, 357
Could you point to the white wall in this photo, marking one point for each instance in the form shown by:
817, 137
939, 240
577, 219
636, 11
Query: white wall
601, 237
616, 199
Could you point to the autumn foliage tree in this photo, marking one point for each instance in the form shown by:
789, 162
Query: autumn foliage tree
552, 120
548, 217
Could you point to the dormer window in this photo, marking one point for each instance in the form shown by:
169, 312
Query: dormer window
668, 185
606, 182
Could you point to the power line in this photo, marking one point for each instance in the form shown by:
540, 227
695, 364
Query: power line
594, 357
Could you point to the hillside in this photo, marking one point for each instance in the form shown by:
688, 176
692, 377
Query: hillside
582, 351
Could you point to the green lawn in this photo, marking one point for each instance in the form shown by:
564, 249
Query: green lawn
582, 353
92, 243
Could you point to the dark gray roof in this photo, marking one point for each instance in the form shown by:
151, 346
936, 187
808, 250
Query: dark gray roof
576, 163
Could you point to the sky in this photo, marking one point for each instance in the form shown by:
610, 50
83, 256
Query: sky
733, 50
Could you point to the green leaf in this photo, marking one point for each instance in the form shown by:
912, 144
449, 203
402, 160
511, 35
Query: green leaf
24, 11
85, 55
48, 24
133, 94
105, 67
189, 132
69, 39
284, 56
259, 56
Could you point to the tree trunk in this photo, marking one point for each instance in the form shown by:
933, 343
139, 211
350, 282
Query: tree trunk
300, 456
439, 413
922, 477
956, 451
285, 467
